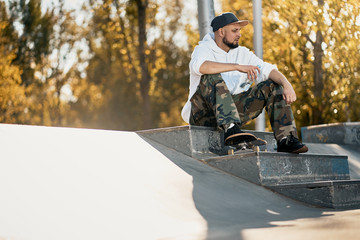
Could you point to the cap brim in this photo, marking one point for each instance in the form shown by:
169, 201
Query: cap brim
242, 23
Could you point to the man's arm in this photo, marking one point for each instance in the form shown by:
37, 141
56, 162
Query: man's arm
289, 93
209, 67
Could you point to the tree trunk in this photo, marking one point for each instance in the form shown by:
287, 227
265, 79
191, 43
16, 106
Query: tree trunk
145, 76
318, 71
318, 78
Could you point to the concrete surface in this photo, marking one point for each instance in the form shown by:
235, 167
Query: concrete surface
197, 141
61, 183
352, 151
288, 174
347, 133
270, 168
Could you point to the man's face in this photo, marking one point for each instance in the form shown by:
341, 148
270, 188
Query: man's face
231, 35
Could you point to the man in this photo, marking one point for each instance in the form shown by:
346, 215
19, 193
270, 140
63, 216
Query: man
221, 73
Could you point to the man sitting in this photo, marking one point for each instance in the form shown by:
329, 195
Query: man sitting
221, 75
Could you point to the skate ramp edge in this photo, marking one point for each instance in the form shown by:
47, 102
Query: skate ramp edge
63, 183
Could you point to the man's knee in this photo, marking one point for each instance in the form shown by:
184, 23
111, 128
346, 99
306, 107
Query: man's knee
211, 79
212, 84
271, 87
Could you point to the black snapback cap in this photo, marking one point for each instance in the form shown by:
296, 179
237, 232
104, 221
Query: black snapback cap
225, 19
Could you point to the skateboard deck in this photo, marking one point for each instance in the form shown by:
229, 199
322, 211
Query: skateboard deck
239, 138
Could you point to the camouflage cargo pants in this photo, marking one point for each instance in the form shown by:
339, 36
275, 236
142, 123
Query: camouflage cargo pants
212, 105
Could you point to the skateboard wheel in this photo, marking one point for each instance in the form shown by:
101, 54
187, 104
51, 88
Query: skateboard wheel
231, 152
256, 148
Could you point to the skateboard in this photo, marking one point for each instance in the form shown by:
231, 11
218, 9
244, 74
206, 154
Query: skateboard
241, 142
253, 145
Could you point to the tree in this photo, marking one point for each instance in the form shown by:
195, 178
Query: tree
33, 41
137, 63
319, 56
39, 48
13, 103
142, 5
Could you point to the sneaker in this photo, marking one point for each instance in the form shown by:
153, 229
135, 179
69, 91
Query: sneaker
292, 145
234, 135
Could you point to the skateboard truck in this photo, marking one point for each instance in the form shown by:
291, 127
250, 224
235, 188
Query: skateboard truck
253, 145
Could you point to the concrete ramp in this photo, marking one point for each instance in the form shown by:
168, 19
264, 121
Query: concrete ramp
58, 183
62, 183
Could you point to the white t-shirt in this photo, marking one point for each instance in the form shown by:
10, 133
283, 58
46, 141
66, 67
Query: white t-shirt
207, 50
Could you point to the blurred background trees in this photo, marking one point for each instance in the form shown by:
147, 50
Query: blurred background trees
124, 64
140, 68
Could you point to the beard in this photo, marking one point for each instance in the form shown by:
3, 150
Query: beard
229, 44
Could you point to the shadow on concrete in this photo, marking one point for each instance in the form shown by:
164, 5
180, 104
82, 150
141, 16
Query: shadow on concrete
231, 205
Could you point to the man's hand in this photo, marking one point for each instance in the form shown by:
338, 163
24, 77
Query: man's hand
252, 71
289, 94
